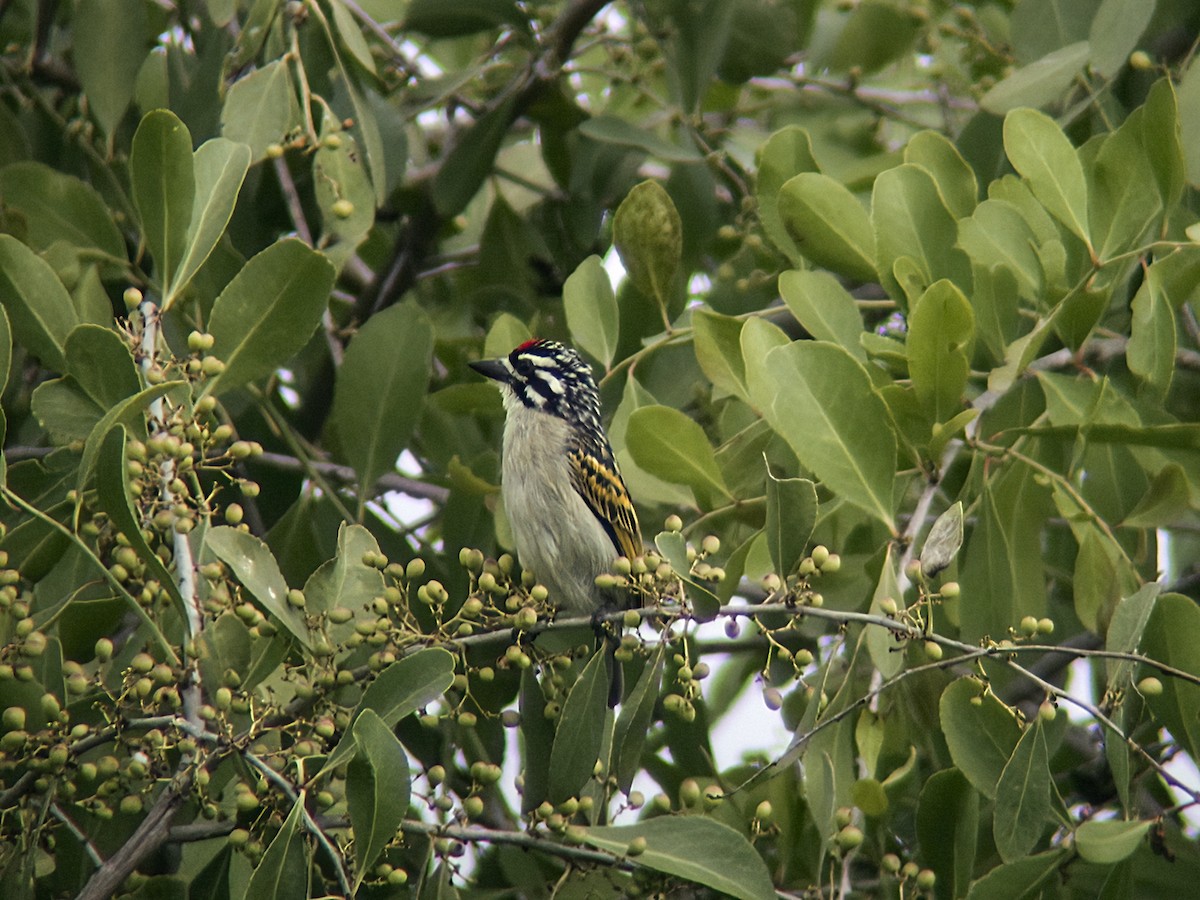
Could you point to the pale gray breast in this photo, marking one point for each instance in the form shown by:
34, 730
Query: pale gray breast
557, 535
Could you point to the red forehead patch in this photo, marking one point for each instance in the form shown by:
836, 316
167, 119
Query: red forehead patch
532, 342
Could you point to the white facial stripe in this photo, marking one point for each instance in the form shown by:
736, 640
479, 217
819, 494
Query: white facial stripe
534, 397
542, 362
554, 384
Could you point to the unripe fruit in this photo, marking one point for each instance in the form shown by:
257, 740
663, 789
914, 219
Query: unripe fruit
689, 792
950, 590
246, 801
1047, 711
131, 805
1029, 626
933, 650
1140, 59
673, 523
142, 663
849, 837
926, 879
636, 847
13, 718
890, 863
819, 555
1045, 626
343, 208
473, 807
1150, 687
711, 544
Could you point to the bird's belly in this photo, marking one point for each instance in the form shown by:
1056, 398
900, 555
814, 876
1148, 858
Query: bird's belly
558, 537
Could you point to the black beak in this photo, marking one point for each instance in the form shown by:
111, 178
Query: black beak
490, 368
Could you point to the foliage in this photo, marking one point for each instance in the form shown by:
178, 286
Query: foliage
905, 359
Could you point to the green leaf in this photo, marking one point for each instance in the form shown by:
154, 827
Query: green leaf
695, 848
648, 235
380, 389
1125, 204
937, 155
981, 738
537, 736
352, 36
1152, 335
345, 580
268, 312
470, 160
718, 340
65, 410
1163, 143
821, 400
132, 414
340, 177
59, 207
669, 445
108, 54
579, 734
944, 540
5, 349
948, 830
1168, 497
458, 18
887, 653
786, 153
1040, 151
824, 308
38, 306
283, 872
872, 35
828, 225
941, 328
1041, 82
633, 723
1023, 796
759, 337
910, 220
114, 499
164, 190
1096, 581
996, 562
255, 567
399, 690
1109, 842
100, 362
791, 515
591, 308
1024, 879
623, 133
377, 790
997, 234
1173, 637
673, 547
220, 167
1116, 30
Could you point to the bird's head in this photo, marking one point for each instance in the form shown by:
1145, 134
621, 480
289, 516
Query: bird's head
548, 377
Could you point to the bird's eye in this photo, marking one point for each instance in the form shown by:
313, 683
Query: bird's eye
523, 366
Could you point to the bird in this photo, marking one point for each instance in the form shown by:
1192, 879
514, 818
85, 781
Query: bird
569, 509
